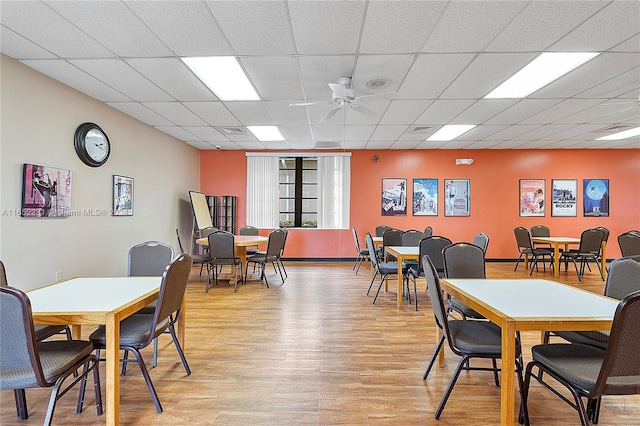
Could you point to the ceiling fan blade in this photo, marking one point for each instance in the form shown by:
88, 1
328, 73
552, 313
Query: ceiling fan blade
366, 111
330, 114
378, 97
309, 103
342, 92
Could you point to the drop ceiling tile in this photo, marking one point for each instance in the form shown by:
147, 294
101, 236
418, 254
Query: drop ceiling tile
367, 113
575, 132
284, 114
404, 111
274, 77
251, 113
198, 35
482, 110
206, 133
301, 144
117, 74
140, 112
611, 112
541, 24
431, 74
543, 131
327, 133
512, 132
318, 71
73, 77
388, 132
398, 27
430, 145
178, 133
327, 28
522, 110
296, 133
176, 113
276, 145
354, 145
560, 110
17, 47
632, 44
379, 144
270, 30
625, 85
405, 144
362, 133
251, 145
390, 67
200, 145
470, 26
443, 111
480, 132
173, 76
214, 113
486, 144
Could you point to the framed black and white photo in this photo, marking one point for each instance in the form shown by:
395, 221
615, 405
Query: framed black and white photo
122, 196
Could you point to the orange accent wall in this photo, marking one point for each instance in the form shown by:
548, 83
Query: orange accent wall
494, 194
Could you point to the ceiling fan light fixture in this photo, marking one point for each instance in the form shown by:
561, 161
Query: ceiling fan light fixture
377, 83
223, 76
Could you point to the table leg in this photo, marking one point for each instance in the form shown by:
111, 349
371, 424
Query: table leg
556, 260
112, 355
507, 387
76, 332
241, 252
399, 295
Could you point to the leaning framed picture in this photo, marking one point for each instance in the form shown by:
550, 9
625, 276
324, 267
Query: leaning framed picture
532, 197
46, 191
394, 197
425, 197
595, 197
456, 197
122, 196
564, 197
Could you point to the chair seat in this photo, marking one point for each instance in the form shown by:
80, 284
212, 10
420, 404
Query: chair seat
598, 339
56, 357
45, 331
578, 364
476, 337
391, 268
134, 331
464, 309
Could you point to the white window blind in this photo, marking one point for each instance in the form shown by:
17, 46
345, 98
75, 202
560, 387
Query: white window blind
334, 182
262, 191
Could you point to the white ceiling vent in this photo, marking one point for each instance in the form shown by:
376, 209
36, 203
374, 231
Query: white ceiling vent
419, 129
327, 144
232, 130
617, 128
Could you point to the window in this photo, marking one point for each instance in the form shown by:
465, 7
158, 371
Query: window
298, 179
298, 190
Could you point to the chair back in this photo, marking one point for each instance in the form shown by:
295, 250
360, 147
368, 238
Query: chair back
3, 275
172, 288
149, 259
18, 349
540, 231
355, 238
629, 243
523, 239
372, 249
380, 230
432, 247
620, 371
463, 260
623, 277
392, 237
481, 240
428, 231
435, 294
221, 247
412, 237
285, 231
275, 245
591, 241
249, 230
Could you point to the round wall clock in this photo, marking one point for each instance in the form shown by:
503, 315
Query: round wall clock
92, 144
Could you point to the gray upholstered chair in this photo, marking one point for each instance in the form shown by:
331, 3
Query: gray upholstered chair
363, 253
412, 237
467, 339
275, 246
589, 250
390, 237
381, 268
590, 372
481, 240
139, 330
629, 243
26, 363
428, 231
222, 253
432, 247
250, 230
380, 229
525, 247
463, 260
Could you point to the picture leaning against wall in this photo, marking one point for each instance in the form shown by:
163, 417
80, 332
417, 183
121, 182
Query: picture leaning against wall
595, 197
46, 191
564, 197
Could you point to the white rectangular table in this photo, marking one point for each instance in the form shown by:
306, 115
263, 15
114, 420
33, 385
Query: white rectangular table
557, 241
95, 301
529, 304
402, 253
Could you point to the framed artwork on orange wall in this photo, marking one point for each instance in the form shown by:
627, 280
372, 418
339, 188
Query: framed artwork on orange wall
456, 197
394, 197
532, 197
564, 193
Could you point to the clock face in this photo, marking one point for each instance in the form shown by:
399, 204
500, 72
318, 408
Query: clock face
92, 144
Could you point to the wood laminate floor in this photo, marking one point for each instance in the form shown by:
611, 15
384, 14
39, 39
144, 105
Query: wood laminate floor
315, 351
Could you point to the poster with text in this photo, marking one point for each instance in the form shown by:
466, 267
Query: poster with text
46, 191
456, 197
532, 197
564, 197
394, 197
595, 197
425, 197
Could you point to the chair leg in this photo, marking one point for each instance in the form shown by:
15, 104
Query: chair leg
154, 362
523, 417
372, 280
517, 263
179, 349
593, 409
452, 383
495, 371
124, 362
433, 358
83, 386
382, 277
21, 403
147, 379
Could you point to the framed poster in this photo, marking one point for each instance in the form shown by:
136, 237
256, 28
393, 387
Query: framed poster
564, 197
532, 197
46, 191
122, 196
595, 197
394, 197
456, 197
425, 197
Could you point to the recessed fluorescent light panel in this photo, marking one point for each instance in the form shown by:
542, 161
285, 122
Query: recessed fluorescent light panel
224, 76
540, 72
450, 132
266, 133
621, 135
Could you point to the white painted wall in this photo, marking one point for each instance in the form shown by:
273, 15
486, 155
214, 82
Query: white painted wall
39, 116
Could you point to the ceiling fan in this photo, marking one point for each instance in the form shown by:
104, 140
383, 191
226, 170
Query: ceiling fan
342, 95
